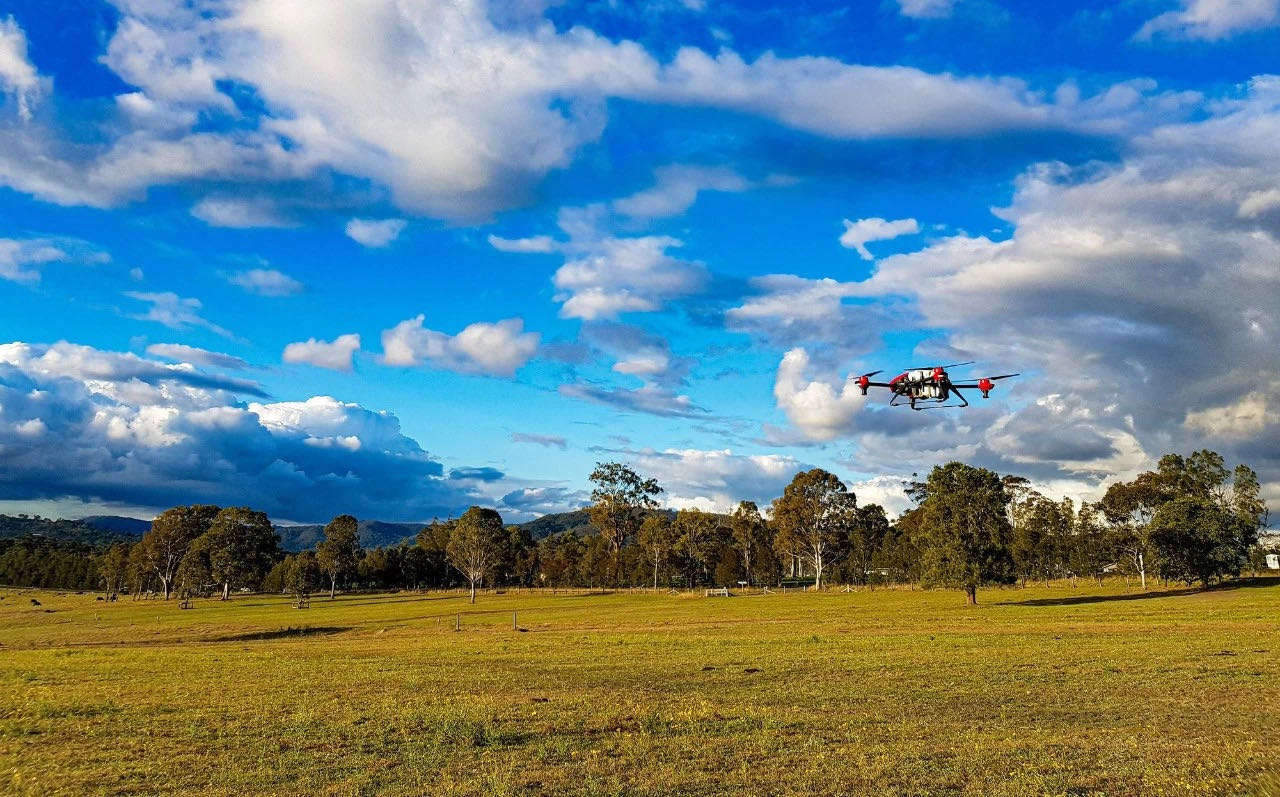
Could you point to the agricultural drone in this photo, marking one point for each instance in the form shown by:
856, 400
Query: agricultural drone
929, 384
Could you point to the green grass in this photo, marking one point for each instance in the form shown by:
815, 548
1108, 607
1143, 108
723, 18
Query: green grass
1037, 691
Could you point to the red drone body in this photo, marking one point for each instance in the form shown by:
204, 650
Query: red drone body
930, 384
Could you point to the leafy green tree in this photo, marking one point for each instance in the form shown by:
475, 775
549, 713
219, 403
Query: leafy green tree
750, 535
864, 539
697, 540
473, 544
809, 517
1199, 540
433, 541
302, 574
242, 548
339, 551
620, 501
657, 537
1091, 549
173, 530
114, 569
964, 529
1129, 507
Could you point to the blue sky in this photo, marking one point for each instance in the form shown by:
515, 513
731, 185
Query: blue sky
397, 258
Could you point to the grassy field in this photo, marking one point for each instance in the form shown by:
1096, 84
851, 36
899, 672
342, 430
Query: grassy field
1045, 690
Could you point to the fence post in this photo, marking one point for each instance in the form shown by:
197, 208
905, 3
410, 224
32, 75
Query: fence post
457, 623
514, 625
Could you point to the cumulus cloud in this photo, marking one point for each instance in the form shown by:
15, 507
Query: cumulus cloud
544, 440
457, 114
375, 233
20, 259
1213, 20
716, 480
240, 213
498, 348
821, 408
196, 356
82, 424
174, 311
676, 190
266, 282
857, 234
336, 355
18, 78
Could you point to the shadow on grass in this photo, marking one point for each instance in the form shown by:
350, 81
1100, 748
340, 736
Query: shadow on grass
1075, 600
281, 633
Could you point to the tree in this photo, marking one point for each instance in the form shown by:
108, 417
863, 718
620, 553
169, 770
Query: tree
172, 531
964, 529
750, 534
1198, 540
809, 516
242, 547
1129, 507
697, 536
473, 544
339, 551
620, 501
302, 574
864, 539
114, 568
656, 537
1091, 551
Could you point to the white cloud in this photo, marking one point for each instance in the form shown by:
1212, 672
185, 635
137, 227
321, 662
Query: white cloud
336, 355
858, 233
791, 311
375, 233
1247, 416
18, 77
86, 425
459, 116
1260, 203
266, 282
650, 399
716, 480
677, 189
197, 356
1213, 20
926, 9
174, 311
498, 348
20, 259
537, 244
239, 213
604, 276
822, 409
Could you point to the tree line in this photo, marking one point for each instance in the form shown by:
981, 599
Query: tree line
1189, 520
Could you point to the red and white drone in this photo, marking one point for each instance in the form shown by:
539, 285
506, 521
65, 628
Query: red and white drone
930, 384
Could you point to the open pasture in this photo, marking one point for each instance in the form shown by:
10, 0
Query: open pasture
1044, 690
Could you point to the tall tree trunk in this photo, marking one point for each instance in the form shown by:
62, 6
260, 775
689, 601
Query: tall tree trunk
333, 585
473, 590
971, 595
1142, 570
655, 572
165, 581
226, 590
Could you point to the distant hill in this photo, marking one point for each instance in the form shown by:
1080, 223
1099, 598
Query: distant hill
76, 531
124, 525
373, 534
560, 523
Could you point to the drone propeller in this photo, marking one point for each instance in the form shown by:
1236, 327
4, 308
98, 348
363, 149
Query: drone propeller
943, 367
871, 374
1001, 376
